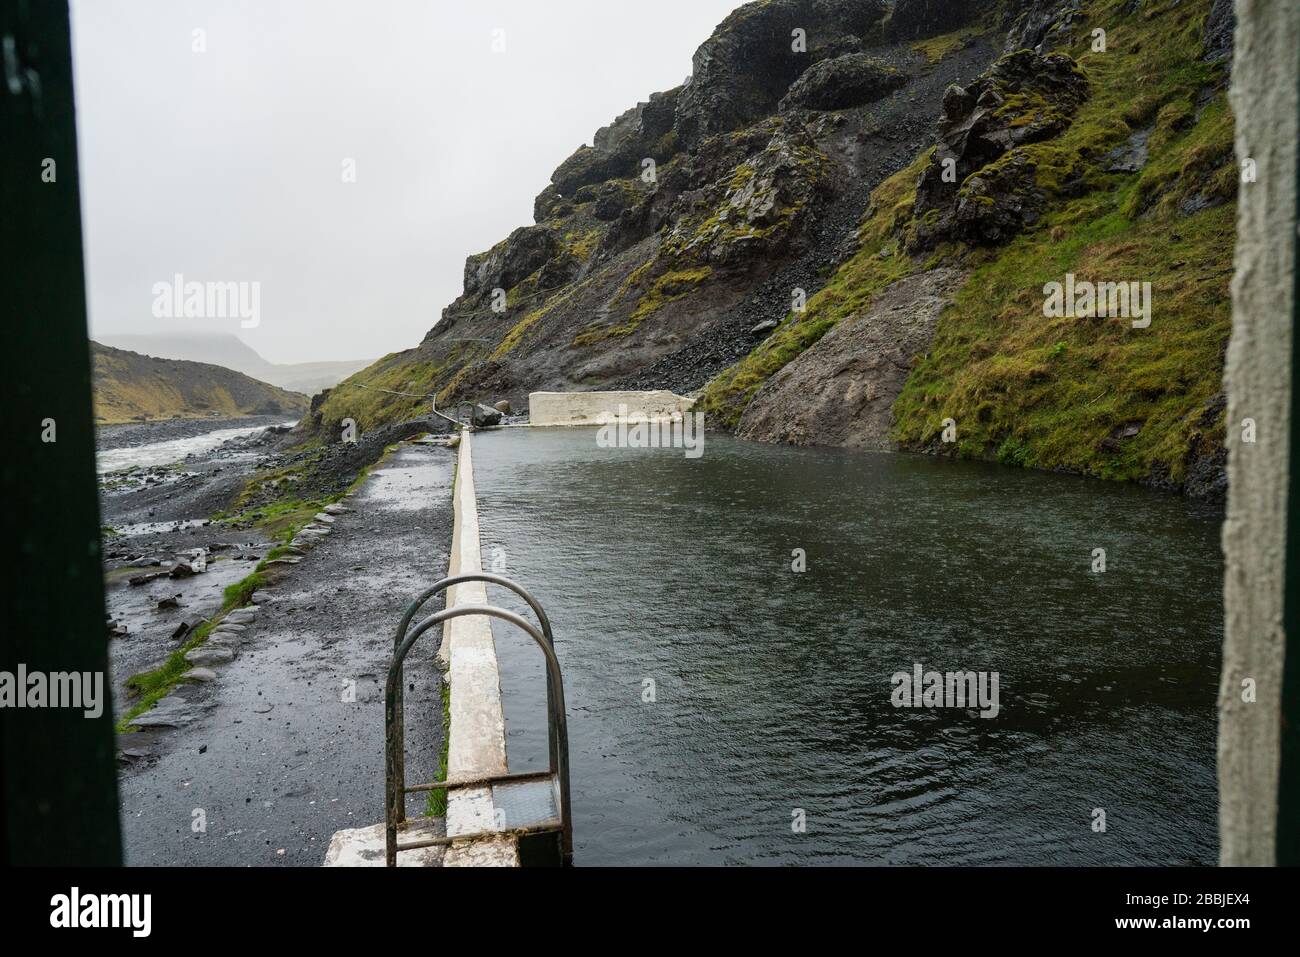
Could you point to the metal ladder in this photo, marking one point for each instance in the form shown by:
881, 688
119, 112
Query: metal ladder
545, 793
455, 419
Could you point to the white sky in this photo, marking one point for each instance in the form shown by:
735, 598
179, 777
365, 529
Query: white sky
226, 166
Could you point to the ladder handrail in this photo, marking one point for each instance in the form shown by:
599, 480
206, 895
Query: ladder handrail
490, 578
411, 609
394, 760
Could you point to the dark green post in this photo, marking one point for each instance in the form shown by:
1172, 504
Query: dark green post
59, 787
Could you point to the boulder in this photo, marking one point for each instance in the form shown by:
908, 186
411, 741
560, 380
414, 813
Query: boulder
845, 81
744, 69
516, 258
1041, 25
979, 187
585, 167
485, 416
763, 208
645, 131
502, 406
205, 656
173, 711
550, 203
612, 200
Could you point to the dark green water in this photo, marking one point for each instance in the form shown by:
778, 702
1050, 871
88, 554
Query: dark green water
772, 689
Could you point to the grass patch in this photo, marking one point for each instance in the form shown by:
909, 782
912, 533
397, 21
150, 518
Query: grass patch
280, 520
397, 387
1045, 393
241, 592
437, 803
936, 48
279, 551
152, 686
1037, 392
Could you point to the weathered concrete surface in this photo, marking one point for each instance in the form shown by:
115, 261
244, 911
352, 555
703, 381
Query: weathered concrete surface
842, 390
364, 846
1258, 378
477, 738
589, 408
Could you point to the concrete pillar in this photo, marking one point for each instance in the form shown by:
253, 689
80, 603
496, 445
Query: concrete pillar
1265, 94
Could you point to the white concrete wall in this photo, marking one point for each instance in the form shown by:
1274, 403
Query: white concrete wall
587, 408
1258, 377
477, 736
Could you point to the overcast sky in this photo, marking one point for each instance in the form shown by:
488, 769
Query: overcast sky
227, 165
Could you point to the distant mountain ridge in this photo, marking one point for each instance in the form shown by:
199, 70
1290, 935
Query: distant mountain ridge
225, 349
129, 386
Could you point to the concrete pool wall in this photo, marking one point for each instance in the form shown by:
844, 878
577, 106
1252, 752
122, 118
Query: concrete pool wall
593, 408
476, 739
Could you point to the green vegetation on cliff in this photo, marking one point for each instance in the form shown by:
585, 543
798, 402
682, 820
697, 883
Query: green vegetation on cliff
1053, 392
878, 262
1094, 396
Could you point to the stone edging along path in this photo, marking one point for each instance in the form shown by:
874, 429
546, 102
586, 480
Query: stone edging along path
233, 627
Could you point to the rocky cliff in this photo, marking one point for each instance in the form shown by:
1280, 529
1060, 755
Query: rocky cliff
917, 171
130, 386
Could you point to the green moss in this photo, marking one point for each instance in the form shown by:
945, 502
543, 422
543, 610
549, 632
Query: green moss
152, 686
877, 264
581, 243
395, 388
515, 337
936, 48
669, 287
1200, 161
437, 803
279, 519
1033, 391
241, 591
1037, 392
279, 551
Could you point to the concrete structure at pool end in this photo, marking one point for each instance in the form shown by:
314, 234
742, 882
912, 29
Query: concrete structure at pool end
594, 408
476, 745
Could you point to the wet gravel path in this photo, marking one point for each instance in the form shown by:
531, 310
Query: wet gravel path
271, 756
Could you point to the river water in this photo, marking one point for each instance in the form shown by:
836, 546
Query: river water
111, 457
771, 737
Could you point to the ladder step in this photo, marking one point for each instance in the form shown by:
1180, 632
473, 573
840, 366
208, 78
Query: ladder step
482, 782
544, 827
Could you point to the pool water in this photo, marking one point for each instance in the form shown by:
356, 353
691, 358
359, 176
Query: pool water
725, 708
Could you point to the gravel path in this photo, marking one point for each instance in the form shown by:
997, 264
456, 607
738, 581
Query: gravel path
269, 755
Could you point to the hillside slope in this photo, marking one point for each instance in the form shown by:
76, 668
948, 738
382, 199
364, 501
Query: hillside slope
129, 386
225, 349
824, 151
